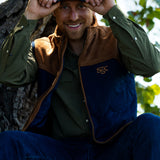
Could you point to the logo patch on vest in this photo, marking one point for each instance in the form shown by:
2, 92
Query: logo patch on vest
102, 70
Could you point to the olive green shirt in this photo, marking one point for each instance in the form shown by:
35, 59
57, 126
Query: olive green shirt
68, 113
18, 67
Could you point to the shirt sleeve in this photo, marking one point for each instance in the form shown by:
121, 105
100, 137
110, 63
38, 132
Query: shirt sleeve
136, 52
17, 62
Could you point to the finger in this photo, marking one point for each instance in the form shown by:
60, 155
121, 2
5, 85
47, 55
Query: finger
98, 2
91, 7
44, 3
49, 4
86, 1
54, 1
39, 1
92, 2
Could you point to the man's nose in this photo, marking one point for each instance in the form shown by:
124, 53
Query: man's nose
74, 15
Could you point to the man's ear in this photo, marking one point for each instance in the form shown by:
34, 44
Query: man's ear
53, 13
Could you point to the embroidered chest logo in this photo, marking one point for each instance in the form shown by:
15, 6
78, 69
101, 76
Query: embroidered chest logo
102, 70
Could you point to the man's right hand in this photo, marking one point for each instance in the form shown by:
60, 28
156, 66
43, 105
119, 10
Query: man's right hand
37, 9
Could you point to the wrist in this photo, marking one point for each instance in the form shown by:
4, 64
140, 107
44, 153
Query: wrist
108, 8
30, 16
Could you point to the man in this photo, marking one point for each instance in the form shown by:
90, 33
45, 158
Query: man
86, 108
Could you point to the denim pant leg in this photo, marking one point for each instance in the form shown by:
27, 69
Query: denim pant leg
139, 141
17, 145
146, 141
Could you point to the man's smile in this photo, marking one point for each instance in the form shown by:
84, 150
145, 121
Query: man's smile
74, 25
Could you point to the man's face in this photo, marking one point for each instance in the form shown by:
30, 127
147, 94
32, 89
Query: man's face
73, 18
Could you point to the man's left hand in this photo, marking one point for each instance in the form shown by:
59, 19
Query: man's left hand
100, 6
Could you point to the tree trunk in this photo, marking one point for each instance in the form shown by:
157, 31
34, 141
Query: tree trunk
17, 103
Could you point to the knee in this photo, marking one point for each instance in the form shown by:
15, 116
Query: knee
8, 137
149, 125
146, 133
149, 120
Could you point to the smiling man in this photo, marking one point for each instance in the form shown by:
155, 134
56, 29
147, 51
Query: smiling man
72, 18
86, 107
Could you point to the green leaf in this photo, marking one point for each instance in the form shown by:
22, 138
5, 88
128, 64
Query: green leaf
143, 3
147, 79
105, 21
156, 89
152, 109
149, 24
148, 95
156, 13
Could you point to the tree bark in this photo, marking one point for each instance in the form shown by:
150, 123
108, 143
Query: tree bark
17, 103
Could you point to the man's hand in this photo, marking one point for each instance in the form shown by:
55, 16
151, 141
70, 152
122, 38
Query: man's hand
37, 9
100, 6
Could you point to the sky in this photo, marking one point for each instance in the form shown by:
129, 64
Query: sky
1, 1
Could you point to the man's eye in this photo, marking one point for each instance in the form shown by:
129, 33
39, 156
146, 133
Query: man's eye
65, 7
81, 6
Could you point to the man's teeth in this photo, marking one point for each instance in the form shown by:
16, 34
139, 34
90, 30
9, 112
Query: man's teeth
75, 25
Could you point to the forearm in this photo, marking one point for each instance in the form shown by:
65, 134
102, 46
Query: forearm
137, 53
17, 63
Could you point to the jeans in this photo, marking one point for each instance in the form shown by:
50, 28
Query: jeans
139, 141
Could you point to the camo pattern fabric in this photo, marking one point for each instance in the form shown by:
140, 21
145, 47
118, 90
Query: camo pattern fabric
16, 104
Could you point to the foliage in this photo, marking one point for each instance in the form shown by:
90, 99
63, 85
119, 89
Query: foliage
146, 96
145, 15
